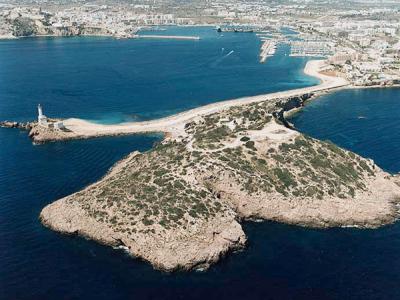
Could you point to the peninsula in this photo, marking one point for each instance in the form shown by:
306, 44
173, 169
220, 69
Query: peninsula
179, 205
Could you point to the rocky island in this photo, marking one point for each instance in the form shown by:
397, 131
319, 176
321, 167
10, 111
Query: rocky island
179, 205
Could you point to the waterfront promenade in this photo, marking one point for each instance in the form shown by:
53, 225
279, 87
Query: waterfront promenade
174, 124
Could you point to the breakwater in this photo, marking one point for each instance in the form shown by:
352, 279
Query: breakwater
19, 125
166, 37
268, 49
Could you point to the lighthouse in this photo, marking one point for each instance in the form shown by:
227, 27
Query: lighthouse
42, 119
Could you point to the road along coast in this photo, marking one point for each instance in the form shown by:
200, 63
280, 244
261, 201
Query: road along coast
179, 206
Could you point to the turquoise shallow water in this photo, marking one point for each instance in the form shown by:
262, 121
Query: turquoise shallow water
115, 80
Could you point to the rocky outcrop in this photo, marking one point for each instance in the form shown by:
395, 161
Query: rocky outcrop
40, 135
178, 206
196, 247
22, 26
286, 105
195, 244
19, 125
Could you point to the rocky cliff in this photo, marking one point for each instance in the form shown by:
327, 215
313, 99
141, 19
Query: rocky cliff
25, 27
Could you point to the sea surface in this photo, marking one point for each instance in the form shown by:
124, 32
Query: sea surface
366, 121
109, 81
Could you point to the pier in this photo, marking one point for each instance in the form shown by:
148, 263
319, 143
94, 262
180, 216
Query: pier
268, 49
170, 37
235, 29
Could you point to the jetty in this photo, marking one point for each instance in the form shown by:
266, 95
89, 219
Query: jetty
241, 29
268, 49
167, 37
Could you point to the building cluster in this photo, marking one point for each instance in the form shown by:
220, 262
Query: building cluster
87, 19
367, 52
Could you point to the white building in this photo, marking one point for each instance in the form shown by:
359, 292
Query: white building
59, 125
44, 122
42, 119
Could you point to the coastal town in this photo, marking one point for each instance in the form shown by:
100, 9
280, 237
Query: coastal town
362, 45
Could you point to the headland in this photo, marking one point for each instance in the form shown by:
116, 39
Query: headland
179, 205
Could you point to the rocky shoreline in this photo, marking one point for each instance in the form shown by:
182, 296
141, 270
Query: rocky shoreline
209, 239
179, 205
19, 125
39, 134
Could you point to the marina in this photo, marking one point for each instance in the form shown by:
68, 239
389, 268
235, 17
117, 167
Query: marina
312, 48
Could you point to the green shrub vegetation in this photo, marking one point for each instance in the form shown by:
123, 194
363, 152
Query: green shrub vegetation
153, 190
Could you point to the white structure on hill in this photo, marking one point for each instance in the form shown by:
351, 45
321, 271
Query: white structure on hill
42, 119
44, 122
59, 125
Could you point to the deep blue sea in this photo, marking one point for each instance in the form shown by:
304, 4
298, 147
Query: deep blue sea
110, 81
366, 121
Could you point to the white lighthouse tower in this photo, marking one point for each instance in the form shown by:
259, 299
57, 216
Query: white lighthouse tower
42, 119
